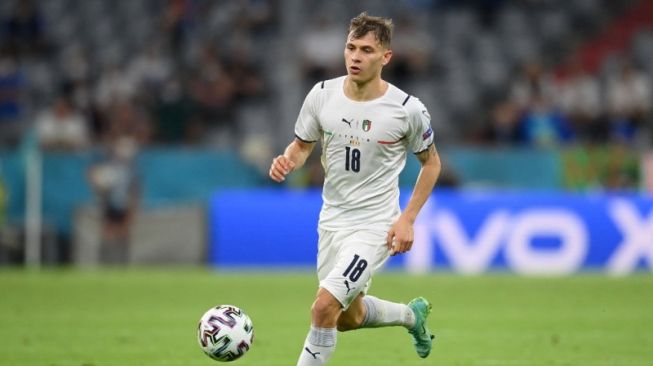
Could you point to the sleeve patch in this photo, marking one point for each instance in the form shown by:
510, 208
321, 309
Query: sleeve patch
427, 134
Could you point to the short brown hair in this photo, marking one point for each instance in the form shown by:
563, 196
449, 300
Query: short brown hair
381, 27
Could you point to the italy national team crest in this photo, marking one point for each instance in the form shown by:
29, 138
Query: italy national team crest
367, 125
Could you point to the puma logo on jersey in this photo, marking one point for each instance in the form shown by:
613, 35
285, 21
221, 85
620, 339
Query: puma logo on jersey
311, 353
348, 288
347, 122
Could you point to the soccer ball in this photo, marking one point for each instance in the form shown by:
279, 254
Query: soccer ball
225, 333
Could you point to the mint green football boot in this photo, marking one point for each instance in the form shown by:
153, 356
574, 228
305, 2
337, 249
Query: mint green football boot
422, 337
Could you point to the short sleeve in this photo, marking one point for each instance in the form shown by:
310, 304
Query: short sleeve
307, 127
420, 132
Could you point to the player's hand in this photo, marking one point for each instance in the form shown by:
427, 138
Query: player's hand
400, 236
281, 166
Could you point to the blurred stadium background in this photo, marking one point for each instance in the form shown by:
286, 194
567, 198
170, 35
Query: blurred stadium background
124, 122
135, 139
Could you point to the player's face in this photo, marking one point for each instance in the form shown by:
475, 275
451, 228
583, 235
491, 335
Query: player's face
365, 57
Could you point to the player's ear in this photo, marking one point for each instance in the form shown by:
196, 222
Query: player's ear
387, 55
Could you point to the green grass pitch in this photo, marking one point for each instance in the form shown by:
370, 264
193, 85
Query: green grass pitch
149, 317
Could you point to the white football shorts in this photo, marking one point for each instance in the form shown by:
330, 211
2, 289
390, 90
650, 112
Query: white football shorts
346, 261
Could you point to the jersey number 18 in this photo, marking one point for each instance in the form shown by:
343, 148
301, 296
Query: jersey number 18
352, 159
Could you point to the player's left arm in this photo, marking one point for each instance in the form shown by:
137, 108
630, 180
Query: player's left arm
400, 237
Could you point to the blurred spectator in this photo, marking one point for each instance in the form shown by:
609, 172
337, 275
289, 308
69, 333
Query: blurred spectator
114, 178
542, 125
172, 114
150, 69
487, 11
249, 83
629, 102
412, 51
12, 90
213, 92
579, 97
256, 150
503, 125
533, 83
75, 64
322, 49
23, 31
76, 77
61, 128
257, 15
114, 86
126, 119
178, 21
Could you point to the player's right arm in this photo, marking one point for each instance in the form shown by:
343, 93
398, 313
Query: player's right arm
307, 132
293, 158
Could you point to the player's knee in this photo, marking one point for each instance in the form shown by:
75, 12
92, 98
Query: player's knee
325, 311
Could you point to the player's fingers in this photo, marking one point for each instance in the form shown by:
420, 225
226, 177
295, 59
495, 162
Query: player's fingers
393, 246
393, 250
280, 163
276, 173
389, 240
291, 165
275, 177
284, 163
276, 162
403, 245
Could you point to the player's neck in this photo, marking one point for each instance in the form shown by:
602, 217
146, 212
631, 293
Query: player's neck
361, 92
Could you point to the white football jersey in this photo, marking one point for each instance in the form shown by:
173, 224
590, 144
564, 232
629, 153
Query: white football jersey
364, 146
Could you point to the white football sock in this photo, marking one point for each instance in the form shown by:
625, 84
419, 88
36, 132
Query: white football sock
318, 347
382, 313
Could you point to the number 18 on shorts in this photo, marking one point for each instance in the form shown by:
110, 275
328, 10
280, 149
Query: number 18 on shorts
348, 259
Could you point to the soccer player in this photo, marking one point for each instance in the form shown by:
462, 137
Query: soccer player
366, 127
